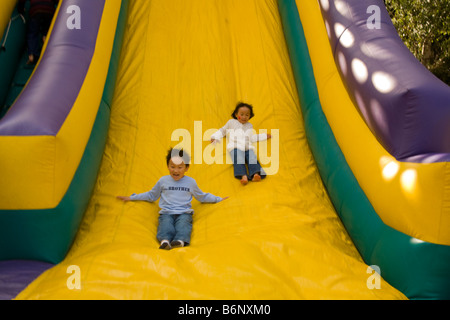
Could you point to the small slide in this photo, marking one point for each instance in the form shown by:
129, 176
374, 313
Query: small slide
355, 205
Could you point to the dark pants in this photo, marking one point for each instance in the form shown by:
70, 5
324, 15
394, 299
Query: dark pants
244, 159
38, 26
175, 227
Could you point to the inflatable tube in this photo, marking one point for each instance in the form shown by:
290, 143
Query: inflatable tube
53, 143
406, 107
407, 110
415, 267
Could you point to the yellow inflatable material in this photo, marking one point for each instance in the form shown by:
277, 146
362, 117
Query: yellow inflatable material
184, 66
5, 14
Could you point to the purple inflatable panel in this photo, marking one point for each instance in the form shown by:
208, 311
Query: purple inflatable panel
46, 101
406, 106
16, 275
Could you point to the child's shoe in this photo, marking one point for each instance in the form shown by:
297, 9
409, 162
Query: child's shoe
177, 244
165, 245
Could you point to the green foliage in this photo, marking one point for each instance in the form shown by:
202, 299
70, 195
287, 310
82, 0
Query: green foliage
424, 26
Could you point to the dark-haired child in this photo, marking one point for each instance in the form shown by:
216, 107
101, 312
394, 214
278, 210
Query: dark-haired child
176, 191
240, 137
41, 15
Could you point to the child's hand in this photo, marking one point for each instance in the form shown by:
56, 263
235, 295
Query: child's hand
224, 199
213, 140
123, 198
269, 136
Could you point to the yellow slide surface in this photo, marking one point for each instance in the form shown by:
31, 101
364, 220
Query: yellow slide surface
184, 66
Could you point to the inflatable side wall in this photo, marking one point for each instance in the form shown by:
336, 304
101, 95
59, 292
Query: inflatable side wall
348, 154
52, 138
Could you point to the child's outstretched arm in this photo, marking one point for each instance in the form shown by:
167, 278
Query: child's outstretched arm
149, 196
219, 134
260, 137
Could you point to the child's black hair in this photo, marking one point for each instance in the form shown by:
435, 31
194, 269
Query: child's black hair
240, 105
178, 153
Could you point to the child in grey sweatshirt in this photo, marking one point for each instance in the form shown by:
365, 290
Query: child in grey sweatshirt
176, 191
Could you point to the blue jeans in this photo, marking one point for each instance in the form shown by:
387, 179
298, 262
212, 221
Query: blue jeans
37, 25
241, 159
175, 227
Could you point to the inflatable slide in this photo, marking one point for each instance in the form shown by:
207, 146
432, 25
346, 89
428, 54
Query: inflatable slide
356, 203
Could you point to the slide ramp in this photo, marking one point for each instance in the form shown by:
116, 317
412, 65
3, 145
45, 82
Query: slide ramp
184, 65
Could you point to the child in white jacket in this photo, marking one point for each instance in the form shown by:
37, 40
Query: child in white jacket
241, 136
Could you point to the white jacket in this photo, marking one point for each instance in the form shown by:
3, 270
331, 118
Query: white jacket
240, 136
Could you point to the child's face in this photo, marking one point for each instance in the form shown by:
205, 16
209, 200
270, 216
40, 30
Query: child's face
243, 115
177, 168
